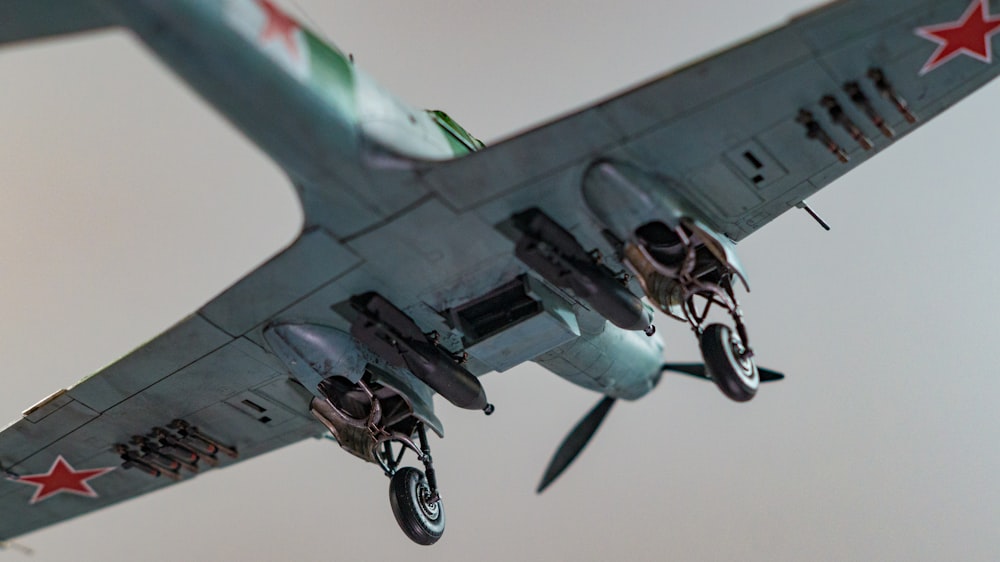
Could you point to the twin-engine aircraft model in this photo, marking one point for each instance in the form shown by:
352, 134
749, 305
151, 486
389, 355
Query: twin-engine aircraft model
427, 260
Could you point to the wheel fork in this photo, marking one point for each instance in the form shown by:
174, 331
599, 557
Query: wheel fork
390, 462
428, 462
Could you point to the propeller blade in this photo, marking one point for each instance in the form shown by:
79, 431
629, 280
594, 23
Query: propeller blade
767, 375
693, 369
698, 370
575, 442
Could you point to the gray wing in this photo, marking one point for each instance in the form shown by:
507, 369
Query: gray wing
727, 130
203, 371
36, 19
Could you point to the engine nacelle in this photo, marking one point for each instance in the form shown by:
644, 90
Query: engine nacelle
623, 198
626, 199
315, 354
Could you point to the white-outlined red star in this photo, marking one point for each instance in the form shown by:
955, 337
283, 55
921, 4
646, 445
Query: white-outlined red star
279, 25
62, 477
969, 35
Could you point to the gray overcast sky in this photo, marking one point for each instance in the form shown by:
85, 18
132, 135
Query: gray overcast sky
126, 203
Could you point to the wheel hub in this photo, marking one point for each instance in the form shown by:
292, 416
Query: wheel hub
729, 363
430, 509
742, 356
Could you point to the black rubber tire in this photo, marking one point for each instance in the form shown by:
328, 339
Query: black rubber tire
423, 523
735, 375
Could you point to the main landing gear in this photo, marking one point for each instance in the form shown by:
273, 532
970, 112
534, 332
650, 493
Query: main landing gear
686, 271
373, 421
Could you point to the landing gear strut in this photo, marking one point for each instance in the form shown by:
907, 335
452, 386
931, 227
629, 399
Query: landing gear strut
372, 421
685, 271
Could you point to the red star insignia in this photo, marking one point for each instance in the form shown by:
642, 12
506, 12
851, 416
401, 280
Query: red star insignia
279, 26
62, 478
969, 35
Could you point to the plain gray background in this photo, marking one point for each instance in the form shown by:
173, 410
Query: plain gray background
126, 203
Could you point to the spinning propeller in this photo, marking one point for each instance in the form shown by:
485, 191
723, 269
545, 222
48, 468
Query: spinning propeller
585, 429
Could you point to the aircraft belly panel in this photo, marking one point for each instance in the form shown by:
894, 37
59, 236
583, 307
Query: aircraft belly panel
554, 324
423, 250
523, 341
314, 259
615, 362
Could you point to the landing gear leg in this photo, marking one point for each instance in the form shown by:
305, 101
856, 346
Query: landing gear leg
686, 271
415, 500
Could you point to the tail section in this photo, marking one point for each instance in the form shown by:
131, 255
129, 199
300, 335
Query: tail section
22, 20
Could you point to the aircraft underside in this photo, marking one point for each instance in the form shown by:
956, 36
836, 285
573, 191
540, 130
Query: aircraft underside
372, 382
426, 261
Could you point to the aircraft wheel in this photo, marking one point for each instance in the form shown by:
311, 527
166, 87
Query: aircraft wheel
727, 363
423, 522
